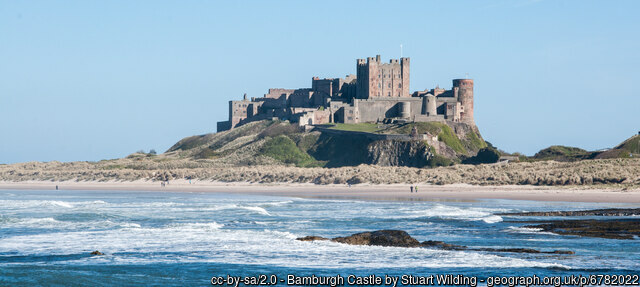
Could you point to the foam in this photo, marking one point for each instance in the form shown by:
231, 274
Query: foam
210, 242
256, 209
276, 203
528, 230
27, 204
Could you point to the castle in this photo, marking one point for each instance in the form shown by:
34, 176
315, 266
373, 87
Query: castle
379, 92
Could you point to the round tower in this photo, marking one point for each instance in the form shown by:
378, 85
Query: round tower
431, 105
405, 109
464, 89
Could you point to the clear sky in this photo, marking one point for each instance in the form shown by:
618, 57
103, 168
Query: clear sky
91, 80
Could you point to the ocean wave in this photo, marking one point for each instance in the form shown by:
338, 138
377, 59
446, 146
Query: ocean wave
256, 209
457, 213
196, 242
27, 204
197, 226
275, 203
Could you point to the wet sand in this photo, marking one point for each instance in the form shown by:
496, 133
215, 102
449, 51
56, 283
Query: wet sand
400, 192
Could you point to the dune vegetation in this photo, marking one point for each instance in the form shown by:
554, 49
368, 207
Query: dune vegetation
276, 152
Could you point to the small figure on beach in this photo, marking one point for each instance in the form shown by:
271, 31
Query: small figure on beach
56, 187
162, 184
411, 187
416, 189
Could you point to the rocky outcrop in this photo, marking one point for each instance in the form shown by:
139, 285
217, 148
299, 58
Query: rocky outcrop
399, 238
447, 246
398, 153
593, 212
613, 229
443, 245
96, 253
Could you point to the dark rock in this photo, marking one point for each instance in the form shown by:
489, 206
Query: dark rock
613, 229
514, 250
443, 245
397, 238
593, 212
96, 253
561, 252
523, 250
311, 238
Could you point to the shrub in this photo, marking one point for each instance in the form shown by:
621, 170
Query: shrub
485, 155
438, 160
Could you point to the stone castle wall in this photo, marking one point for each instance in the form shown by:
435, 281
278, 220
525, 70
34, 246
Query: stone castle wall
379, 91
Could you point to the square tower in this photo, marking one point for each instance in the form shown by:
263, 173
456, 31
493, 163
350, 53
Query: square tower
382, 80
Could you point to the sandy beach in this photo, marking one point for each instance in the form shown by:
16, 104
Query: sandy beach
391, 192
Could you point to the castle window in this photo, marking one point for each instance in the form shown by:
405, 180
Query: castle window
389, 85
389, 94
399, 85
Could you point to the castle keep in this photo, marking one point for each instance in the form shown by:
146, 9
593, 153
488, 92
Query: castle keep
379, 92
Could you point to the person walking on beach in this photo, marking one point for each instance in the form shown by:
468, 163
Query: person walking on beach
416, 189
411, 187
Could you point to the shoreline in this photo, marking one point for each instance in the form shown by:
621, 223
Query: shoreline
390, 192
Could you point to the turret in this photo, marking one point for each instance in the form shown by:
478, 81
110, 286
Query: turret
464, 93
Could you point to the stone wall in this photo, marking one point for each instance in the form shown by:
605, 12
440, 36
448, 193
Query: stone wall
373, 110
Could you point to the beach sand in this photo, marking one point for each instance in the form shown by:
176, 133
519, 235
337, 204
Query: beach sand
400, 192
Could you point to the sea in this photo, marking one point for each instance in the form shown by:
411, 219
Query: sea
193, 238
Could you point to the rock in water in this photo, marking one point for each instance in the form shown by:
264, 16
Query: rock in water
96, 253
593, 212
311, 238
443, 245
396, 238
628, 228
399, 238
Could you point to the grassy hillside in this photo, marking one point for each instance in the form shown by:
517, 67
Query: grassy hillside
563, 153
627, 149
276, 142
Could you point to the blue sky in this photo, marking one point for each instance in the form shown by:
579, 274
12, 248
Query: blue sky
91, 80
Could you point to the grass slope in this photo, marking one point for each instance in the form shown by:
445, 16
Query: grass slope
285, 149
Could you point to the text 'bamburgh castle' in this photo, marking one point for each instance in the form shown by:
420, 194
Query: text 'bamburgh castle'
379, 92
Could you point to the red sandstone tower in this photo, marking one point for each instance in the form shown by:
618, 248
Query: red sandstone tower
463, 91
382, 80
